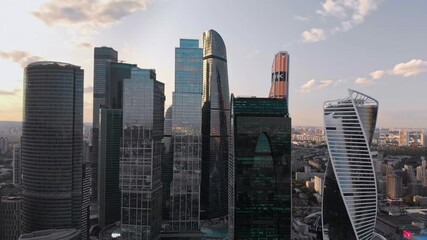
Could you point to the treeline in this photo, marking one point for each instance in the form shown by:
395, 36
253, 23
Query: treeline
405, 150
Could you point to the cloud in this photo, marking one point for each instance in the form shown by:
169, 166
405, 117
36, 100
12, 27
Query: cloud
362, 81
331, 7
10, 93
349, 12
377, 74
84, 45
314, 35
300, 18
94, 13
325, 83
313, 84
21, 57
411, 68
306, 87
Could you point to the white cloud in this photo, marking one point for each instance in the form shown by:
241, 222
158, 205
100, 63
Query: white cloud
306, 87
377, 74
23, 58
331, 7
325, 83
94, 13
362, 81
314, 35
349, 12
411, 68
300, 18
313, 84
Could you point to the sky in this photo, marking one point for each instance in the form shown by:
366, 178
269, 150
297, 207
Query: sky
377, 47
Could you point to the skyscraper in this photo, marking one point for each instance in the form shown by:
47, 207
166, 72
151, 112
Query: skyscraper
260, 169
187, 138
103, 56
17, 164
52, 146
140, 181
349, 205
280, 76
215, 127
167, 164
110, 134
109, 142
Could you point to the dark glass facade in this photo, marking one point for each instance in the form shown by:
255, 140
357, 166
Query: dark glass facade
260, 169
167, 164
187, 138
141, 150
215, 127
110, 133
349, 205
101, 74
52, 146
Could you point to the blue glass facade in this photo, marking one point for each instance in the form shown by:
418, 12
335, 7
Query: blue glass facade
187, 138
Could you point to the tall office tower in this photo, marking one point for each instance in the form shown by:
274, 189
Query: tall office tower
167, 164
110, 133
349, 205
52, 146
17, 172
280, 76
109, 141
103, 56
86, 184
140, 181
260, 169
215, 127
187, 138
10, 217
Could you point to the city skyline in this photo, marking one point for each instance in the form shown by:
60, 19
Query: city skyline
372, 46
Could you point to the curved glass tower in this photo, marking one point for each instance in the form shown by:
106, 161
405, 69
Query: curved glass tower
52, 146
350, 195
215, 126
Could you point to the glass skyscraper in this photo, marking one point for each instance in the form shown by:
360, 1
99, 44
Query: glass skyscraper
110, 133
215, 127
187, 138
280, 76
167, 164
349, 205
52, 146
101, 74
109, 141
141, 150
260, 169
